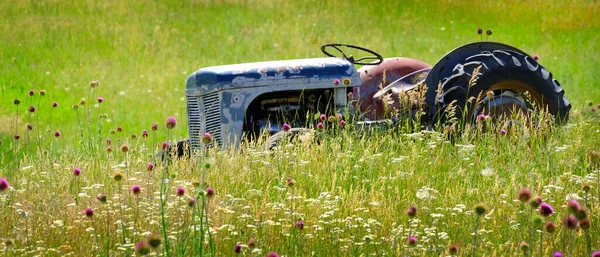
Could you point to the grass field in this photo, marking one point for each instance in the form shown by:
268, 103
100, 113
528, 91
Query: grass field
350, 193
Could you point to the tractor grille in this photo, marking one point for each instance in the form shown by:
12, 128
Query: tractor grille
204, 116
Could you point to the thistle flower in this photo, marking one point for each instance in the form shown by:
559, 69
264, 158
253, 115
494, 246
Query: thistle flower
481, 117
453, 249
350, 95
154, 126
573, 206
31, 92
536, 57
251, 243
93, 83
524, 247
144, 133
102, 197
502, 132
322, 117
411, 211
586, 187
124, 148
537, 220
346, 81
286, 127
142, 248
42, 92
320, 126
191, 201
32, 108
108, 141
488, 32
272, 254
342, 123
117, 176
89, 212
119, 129
585, 223
75, 107
133, 136
57, 133
546, 210
153, 240
207, 138
210, 192
109, 149
112, 131
55, 104
17, 136
550, 227
165, 145
136, 189
180, 191
29, 126
570, 222
0, 141
290, 182
76, 172
412, 240
171, 122
8, 243
596, 253
336, 82
535, 202
82, 101
557, 254
480, 208
581, 213
100, 99
3, 184
479, 31
237, 248
16, 101
300, 224
150, 166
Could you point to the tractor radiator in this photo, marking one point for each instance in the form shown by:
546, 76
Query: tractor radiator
204, 116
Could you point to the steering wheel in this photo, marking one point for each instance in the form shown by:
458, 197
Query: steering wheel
375, 57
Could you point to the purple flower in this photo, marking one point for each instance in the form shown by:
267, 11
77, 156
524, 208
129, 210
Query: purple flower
557, 254
55, 104
17, 136
191, 201
272, 254
100, 99
342, 123
573, 206
481, 117
76, 172
136, 189
29, 126
144, 133
286, 127
336, 82
320, 126
142, 248
31, 92
150, 167
237, 248
171, 122
210, 192
119, 129
546, 210
31, 108
0, 141
502, 132
322, 117
180, 191
550, 227
154, 126
412, 240
479, 31
570, 222
3, 184
165, 145
536, 57
57, 133
207, 138
350, 95
89, 212
596, 253
300, 224
411, 211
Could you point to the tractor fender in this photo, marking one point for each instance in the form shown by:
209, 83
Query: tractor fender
372, 78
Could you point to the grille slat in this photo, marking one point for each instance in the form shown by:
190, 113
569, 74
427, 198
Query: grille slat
204, 116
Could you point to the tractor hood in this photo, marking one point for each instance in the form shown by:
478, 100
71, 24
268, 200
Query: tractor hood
312, 72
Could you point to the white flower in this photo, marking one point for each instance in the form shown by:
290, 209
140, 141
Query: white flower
487, 172
572, 196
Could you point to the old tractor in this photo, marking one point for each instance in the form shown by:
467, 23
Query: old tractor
244, 101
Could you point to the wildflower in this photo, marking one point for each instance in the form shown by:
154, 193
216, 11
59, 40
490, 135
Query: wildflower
136, 189
320, 126
322, 117
17, 136
3, 184
154, 126
42, 92
272, 254
596, 253
75, 107
191, 201
479, 31
535, 202
537, 220
570, 222
119, 129
112, 132
144, 133
82, 101
171, 122
546, 210
150, 166
536, 57
290, 182
581, 213
133, 136
117, 176
109, 149
480, 208
300, 224
585, 223
251, 243
108, 141
32, 108
93, 83
102, 197
180, 191
100, 99
16, 101
411, 211
29, 126
336, 82
124, 148
55, 104
481, 117
346, 81
210, 192
524, 247
0, 141
342, 123
286, 127
76, 172
31, 92
153, 240
57, 133
89, 212
237, 248
488, 32
502, 132
206, 138
557, 254
350, 95
142, 248
550, 227
412, 240
453, 249
573, 206
165, 145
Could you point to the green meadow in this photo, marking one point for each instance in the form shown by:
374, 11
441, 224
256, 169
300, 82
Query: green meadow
347, 196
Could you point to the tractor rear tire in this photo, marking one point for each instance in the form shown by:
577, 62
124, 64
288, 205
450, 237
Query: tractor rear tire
500, 70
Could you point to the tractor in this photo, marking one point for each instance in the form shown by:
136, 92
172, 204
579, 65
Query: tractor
244, 101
